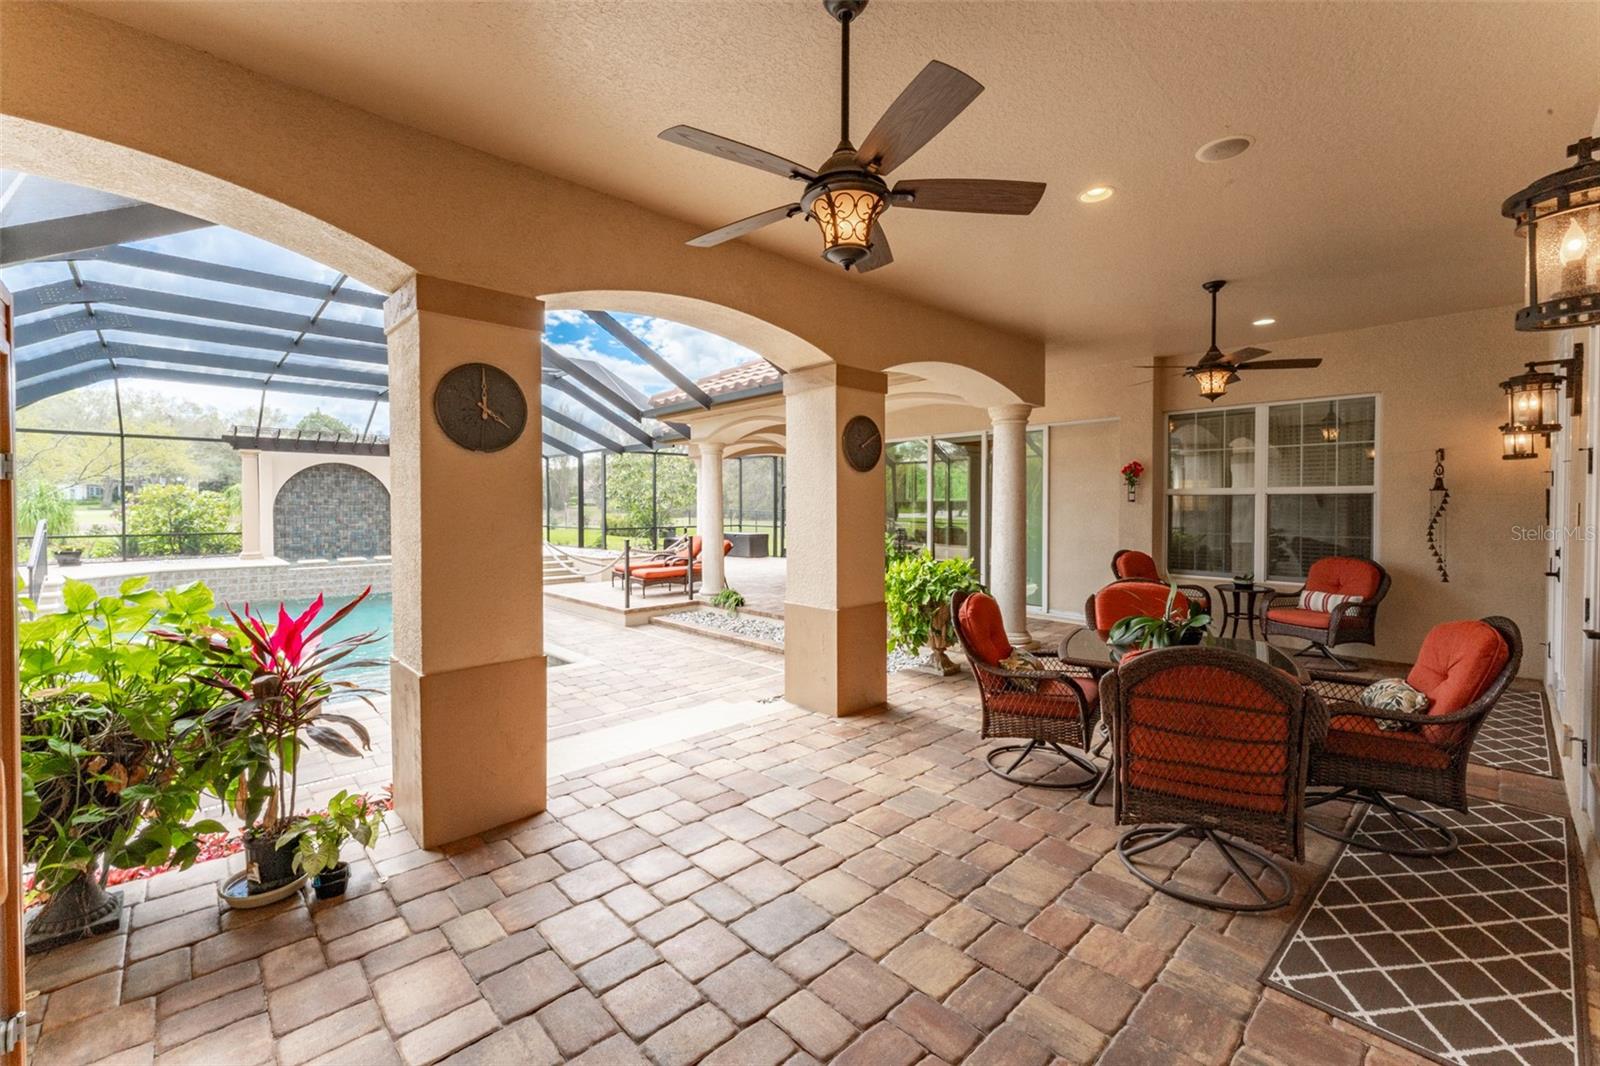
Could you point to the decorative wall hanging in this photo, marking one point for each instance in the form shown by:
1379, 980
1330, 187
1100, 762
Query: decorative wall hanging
1438, 500
1131, 474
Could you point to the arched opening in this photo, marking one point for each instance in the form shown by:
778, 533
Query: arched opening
331, 511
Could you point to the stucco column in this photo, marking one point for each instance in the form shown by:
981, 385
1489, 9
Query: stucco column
708, 514
834, 617
467, 688
1008, 529
249, 503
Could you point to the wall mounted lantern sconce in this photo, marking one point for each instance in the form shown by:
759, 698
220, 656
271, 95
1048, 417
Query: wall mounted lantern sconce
1533, 402
1559, 216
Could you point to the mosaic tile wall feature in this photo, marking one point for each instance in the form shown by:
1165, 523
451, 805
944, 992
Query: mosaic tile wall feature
331, 511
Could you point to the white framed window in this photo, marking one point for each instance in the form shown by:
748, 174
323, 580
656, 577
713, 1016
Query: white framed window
1269, 489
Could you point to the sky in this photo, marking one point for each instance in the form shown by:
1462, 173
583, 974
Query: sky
695, 352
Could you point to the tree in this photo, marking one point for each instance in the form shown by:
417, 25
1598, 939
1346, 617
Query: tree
178, 520
41, 500
321, 422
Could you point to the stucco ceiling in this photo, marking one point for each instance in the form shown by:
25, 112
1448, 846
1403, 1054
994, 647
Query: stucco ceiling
1386, 135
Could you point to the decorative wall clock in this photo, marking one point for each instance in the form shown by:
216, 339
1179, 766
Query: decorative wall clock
480, 407
862, 442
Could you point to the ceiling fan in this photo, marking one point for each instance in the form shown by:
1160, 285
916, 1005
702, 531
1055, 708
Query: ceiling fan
847, 193
1216, 371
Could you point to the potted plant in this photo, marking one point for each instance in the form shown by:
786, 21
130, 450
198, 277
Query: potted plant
279, 676
318, 837
113, 754
1244, 581
69, 556
1143, 632
918, 588
729, 600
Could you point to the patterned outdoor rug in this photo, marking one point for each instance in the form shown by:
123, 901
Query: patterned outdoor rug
1468, 959
1516, 735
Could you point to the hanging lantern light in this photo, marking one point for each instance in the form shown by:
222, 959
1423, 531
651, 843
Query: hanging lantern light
1213, 381
1559, 217
1330, 427
845, 212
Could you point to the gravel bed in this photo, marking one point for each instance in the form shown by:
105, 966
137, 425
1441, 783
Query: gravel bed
770, 630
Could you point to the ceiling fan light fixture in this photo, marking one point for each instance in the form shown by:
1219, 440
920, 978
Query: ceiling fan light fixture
1095, 194
846, 215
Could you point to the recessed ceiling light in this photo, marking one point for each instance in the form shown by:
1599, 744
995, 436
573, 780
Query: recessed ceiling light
1263, 322
1223, 148
1095, 193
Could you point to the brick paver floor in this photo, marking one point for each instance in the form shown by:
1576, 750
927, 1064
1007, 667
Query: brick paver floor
796, 889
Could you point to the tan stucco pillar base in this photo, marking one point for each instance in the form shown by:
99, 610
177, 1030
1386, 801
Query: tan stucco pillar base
475, 751
834, 616
831, 658
468, 677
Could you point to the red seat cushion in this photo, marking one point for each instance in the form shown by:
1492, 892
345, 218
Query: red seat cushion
1343, 575
1183, 743
659, 573
1125, 599
1457, 662
984, 628
1029, 703
1131, 563
1299, 616
1356, 736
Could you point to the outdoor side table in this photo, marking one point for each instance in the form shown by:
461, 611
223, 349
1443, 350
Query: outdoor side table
1232, 596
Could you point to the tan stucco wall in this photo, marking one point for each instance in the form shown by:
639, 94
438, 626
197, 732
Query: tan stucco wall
380, 200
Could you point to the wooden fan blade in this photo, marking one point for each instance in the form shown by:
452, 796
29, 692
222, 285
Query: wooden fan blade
1284, 364
878, 253
724, 148
982, 195
1214, 355
744, 225
929, 104
1244, 355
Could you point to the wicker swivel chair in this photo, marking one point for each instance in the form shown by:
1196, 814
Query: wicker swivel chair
1211, 745
1128, 597
1463, 667
1138, 565
1045, 708
1345, 593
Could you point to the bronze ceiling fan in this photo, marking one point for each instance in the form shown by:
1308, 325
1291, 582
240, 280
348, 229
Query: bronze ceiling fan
1216, 371
847, 193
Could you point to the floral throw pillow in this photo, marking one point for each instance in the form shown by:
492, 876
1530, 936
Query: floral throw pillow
1022, 660
1393, 694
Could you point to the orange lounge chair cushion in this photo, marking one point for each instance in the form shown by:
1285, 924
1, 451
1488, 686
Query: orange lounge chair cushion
984, 628
1457, 662
1179, 745
1344, 576
1356, 736
1063, 705
1136, 564
1125, 599
659, 573
1299, 616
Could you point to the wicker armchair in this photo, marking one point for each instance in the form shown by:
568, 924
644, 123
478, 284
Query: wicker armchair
1045, 708
1215, 742
1138, 565
1346, 622
1127, 597
1464, 667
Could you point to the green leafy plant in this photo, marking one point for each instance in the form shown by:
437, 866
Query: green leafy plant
317, 837
729, 599
114, 757
41, 501
1172, 628
179, 520
918, 588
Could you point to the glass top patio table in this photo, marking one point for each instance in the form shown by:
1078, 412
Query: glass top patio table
1086, 648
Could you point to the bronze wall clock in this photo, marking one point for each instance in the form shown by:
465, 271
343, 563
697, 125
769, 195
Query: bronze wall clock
480, 407
862, 442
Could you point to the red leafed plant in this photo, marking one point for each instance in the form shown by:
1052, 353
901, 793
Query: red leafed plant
1132, 472
281, 678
